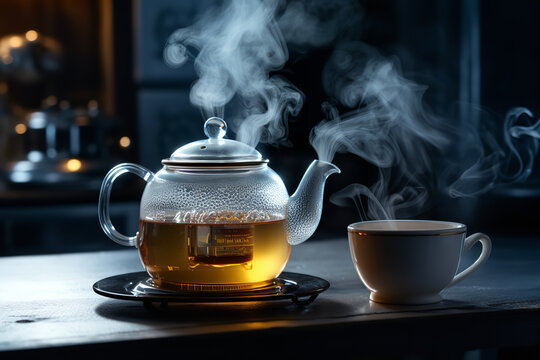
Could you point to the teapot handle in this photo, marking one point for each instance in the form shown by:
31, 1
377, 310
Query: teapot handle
105, 196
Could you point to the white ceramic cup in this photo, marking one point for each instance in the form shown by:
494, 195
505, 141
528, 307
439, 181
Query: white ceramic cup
412, 261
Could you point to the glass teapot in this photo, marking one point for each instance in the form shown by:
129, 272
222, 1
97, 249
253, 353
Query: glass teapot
216, 216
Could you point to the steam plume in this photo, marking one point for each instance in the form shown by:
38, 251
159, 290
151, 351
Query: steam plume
235, 48
509, 161
414, 149
390, 128
238, 47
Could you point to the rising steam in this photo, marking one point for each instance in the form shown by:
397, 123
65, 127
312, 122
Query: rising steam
238, 47
235, 48
414, 149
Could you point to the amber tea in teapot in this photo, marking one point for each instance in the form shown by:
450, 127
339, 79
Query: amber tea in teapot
216, 216
179, 254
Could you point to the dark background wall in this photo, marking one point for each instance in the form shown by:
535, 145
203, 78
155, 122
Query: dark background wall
113, 53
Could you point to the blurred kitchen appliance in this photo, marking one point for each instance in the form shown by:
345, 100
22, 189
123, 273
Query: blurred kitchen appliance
53, 144
61, 146
29, 58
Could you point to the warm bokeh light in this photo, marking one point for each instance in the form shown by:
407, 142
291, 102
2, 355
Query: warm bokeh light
20, 128
73, 165
125, 141
82, 120
50, 100
7, 59
15, 41
92, 104
3, 88
31, 35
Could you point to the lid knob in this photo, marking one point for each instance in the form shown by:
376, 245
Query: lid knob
215, 128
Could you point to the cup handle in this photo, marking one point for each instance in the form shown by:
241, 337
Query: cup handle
484, 255
105, 196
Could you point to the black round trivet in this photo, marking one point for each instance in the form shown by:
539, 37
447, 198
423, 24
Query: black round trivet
299, 288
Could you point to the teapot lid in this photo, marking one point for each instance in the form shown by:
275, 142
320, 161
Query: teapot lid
215, 151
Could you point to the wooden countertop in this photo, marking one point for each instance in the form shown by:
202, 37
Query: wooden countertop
47, 306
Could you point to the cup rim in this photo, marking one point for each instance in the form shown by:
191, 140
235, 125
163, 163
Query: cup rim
445, 228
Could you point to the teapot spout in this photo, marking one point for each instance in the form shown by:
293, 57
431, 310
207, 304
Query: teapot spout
305, 205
